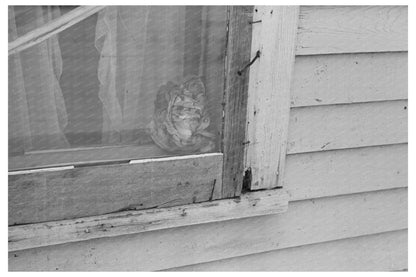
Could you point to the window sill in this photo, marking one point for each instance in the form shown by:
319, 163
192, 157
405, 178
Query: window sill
131, 222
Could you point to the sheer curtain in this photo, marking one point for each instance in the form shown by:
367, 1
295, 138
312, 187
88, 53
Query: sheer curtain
140, 49
143, 48
37, 112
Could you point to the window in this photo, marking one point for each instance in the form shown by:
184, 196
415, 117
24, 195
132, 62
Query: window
122, 129
124, 83
117, 108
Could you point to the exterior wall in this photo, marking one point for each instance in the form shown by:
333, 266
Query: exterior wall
346, 170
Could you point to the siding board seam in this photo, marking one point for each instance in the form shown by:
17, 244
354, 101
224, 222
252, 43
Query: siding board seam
297, 246
347, 194
346, 104
348, 148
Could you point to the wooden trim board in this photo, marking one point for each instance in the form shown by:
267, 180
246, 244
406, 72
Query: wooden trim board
268, 104
86, 191
235, 98
132, 222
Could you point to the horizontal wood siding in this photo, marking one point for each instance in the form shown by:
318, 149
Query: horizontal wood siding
328, 173
349, 78
380, 252
87, 191
305, 222
351, 29
347, 126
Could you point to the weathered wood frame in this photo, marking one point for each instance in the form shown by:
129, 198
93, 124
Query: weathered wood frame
235, 98
268, 103
132, 222
89, 190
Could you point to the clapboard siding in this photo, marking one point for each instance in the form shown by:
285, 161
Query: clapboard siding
349, 78
380, 252
330, 127
329, 173
306, 222
351, 29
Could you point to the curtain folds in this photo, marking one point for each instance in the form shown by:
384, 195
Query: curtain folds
138, 49
37, 114
141, 49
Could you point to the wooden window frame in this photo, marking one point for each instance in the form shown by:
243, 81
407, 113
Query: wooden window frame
151, 194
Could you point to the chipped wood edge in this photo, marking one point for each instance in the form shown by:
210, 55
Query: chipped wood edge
131, 222
269, 93
152, 183
52, 28
235, 98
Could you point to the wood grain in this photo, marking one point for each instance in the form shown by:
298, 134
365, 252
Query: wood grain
236, 87
52, 28
269, 93
117, 224
329, 173
379, 252
305, 222
349, 78
347, 126
95, 190
351, 29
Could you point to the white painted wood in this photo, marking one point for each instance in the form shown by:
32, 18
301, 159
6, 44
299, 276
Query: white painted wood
349, 78
52, 28
39, 170
379, 252
269, 92
131, 222
347, 126
348, 29
305, 222
329, 173
174, 158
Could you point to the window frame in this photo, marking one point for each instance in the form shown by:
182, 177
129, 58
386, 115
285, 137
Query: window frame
224, 182
72, 190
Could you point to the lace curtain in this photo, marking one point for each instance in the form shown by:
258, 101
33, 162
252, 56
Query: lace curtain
138, 50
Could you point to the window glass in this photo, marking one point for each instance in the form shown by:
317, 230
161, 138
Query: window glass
125, 83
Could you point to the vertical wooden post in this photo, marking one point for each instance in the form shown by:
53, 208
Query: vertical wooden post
274, 35
235, 98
